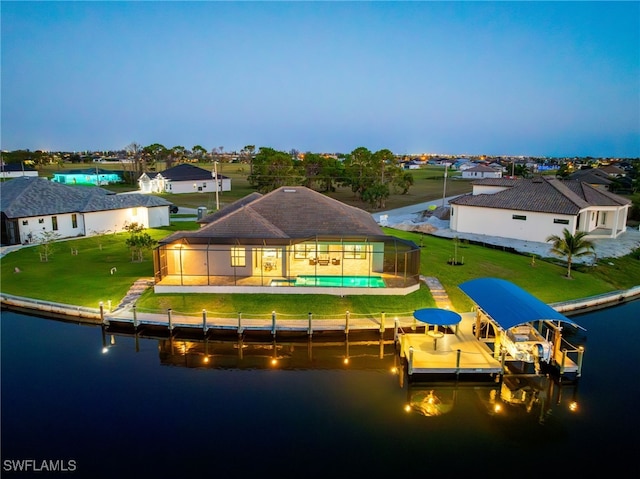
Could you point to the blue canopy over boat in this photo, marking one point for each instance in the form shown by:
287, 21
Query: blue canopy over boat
437, 316
509, 305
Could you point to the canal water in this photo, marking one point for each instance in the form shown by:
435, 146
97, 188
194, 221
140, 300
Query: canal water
80, 403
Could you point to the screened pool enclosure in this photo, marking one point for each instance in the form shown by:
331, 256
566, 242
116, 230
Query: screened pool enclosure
201, 264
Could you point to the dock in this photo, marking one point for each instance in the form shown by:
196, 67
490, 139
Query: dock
453, 352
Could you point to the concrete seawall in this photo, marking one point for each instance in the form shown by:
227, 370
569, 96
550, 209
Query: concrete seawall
98, 316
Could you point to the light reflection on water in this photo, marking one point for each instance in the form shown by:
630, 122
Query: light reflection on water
161, 408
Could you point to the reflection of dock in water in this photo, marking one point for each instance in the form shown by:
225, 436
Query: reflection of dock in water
295, 353
287, 355
517, 397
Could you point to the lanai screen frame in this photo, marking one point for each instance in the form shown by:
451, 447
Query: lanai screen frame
395, 258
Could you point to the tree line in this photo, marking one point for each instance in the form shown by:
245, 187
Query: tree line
371, 176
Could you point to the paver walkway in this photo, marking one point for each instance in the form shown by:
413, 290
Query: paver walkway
137, 288
437, 291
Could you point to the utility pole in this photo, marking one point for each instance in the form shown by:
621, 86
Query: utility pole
215, 169
444, 188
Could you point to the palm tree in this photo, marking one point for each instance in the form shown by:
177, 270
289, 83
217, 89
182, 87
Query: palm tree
571, 246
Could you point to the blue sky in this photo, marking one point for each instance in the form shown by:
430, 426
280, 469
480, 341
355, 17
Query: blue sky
503, 78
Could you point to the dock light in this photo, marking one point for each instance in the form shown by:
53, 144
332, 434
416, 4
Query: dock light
394, 370
205, 359
407, 408
573, 406
345, 361
274, 362
105, 350
497, 408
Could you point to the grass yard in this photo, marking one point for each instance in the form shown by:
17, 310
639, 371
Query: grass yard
429, 184
85, 279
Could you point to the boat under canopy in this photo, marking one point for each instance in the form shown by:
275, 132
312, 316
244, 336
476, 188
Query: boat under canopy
509, 305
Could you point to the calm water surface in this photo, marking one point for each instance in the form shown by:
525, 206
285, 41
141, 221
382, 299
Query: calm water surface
146, 409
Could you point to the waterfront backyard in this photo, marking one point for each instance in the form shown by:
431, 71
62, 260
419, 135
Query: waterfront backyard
86, 278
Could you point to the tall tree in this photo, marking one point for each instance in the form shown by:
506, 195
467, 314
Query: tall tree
570, 246
247, 156
371, 176
273, 169
154, 154
357, 170
198, 153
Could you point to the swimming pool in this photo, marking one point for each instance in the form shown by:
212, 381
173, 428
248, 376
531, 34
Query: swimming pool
332, 281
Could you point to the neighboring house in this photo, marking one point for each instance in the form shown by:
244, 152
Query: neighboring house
613, 171
287, 241
16, 170
462, 164
481, 171
496, 166
593, 176
412, 165
88, 176
32, 206
183, 178
534, 209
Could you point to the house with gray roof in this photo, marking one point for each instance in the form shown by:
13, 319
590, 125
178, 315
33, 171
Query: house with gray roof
183, 178
32, 206
534, 209
16, 170
290, 240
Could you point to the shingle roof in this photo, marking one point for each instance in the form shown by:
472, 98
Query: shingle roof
32, 196
543, 195
185, 172
287, 212
15, 167
230, 208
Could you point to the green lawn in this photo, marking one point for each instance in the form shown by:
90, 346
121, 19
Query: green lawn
85, 279
428, 184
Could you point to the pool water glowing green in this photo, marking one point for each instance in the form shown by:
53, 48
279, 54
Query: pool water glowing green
332, 281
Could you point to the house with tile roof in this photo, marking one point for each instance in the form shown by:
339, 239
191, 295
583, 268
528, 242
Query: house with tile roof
593, 176
291, 240
32, 206
613, 171
183, 178
534, 209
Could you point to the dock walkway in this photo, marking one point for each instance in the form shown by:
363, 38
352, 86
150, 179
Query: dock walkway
459, 352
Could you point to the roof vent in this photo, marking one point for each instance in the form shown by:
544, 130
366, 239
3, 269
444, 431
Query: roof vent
289, 191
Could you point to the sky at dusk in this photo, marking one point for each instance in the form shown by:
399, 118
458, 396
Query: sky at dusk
503, 78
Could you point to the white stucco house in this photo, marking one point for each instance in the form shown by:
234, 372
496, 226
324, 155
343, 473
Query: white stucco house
481, 171
534, 209
32, 206
183, 178
16, 170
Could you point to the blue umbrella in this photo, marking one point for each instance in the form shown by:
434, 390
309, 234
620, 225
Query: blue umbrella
437, 316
